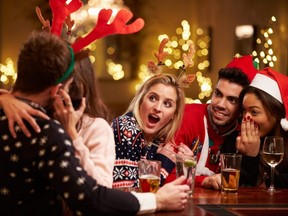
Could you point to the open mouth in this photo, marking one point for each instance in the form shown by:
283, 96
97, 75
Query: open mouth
153, 119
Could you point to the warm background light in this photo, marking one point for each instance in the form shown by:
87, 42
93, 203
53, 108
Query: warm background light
179, 20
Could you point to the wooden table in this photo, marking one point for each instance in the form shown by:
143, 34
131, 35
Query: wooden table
248, 201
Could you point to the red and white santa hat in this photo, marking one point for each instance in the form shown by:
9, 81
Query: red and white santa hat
246, 64
276, 85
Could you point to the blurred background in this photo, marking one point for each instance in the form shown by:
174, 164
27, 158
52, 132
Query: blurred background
219, 29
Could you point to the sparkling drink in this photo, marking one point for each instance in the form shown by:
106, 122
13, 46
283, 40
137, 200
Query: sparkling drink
230, 180
149, 183
273, 159
186, 166
230, 172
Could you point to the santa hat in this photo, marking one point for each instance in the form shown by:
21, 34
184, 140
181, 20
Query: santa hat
274, 84
246, 64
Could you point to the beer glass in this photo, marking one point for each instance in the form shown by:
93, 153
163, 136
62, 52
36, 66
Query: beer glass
149, 175
230, 172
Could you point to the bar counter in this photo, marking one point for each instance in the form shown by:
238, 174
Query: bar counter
248, 201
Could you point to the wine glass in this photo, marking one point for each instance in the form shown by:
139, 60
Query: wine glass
273, 153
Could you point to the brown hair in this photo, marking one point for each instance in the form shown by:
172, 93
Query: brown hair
85, 84
43, 59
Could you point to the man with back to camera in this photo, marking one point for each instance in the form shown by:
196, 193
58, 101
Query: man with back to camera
37, 170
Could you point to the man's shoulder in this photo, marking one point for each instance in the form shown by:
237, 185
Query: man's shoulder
51, 133
49, 123
51, 127
194, 115
195, 109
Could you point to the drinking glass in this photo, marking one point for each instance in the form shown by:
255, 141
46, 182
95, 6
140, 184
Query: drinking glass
230, 172
186, 165
273, 153
149, 175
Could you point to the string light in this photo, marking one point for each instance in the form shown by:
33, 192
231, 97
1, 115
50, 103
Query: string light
87, 17
180, 44
266, 54
7, 73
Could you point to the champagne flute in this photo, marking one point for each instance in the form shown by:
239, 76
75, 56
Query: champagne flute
273, 153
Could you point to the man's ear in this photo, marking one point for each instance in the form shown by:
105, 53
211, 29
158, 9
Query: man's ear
54, 90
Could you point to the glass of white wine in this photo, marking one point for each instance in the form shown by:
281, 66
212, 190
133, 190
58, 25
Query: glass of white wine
273, 153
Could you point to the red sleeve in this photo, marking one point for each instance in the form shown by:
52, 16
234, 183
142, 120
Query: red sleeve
199, 180
192, 126
171, 177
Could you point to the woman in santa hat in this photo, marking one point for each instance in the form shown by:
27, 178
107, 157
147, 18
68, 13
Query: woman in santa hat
265, 109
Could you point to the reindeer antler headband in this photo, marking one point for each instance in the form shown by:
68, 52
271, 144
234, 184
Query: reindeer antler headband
61, 14
184, 80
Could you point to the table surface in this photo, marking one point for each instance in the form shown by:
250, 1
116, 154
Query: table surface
248, 201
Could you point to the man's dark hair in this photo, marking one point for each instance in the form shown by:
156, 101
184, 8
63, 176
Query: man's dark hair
234, 75
43, 59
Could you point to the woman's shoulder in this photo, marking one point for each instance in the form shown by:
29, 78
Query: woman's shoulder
127, 118
126, 123
94, 124
87, 120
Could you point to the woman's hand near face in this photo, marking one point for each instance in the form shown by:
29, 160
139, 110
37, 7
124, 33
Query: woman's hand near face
185, 150
248, 142
65, 113
168, 150
16, 111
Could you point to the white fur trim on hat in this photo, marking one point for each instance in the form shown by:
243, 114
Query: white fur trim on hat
284, 124
267, 85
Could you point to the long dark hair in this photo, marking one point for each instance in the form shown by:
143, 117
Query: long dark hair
85, 84
271, 105
276, 109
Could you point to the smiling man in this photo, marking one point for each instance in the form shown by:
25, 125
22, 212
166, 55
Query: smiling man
206, 126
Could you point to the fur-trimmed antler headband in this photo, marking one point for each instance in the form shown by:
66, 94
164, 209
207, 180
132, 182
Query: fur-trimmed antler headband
184, 79
61, 14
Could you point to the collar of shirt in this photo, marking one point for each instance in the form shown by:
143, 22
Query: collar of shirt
215, 128
33, 104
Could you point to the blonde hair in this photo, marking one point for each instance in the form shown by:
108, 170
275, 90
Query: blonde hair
166, 134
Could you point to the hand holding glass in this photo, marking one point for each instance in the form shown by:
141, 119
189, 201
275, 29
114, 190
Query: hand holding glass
273, 153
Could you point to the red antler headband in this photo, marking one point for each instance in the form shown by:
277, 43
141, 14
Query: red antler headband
102, 28
61, 13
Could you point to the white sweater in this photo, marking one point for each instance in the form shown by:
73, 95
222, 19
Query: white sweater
95, 148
